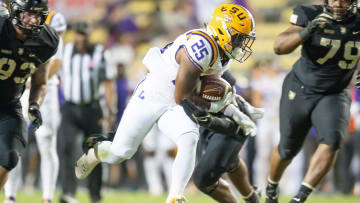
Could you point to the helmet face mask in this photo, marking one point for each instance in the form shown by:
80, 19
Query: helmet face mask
342, 13
232, 26
22, 10
241, 47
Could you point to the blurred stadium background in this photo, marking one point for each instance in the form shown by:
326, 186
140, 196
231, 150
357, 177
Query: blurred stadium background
128, 28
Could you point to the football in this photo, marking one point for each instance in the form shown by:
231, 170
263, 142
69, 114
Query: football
213, 88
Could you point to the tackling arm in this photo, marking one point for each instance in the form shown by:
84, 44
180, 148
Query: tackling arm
39, 84
55, 66
288, 41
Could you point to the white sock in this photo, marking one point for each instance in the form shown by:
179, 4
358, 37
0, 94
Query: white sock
14, 180
184, 164
49, 166
104, 153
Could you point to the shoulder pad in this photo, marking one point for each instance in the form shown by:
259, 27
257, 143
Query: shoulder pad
49, 41
303, 14
201, 49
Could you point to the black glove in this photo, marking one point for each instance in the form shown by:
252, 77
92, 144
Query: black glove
196, 114
223, 124
321, 21
35, 115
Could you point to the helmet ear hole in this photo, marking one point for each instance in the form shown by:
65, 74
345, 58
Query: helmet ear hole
220, 32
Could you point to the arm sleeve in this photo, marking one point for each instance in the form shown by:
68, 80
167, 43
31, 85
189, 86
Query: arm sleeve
299, 17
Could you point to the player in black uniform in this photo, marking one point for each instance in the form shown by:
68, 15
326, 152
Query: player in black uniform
224, 141
26, 44
315, 92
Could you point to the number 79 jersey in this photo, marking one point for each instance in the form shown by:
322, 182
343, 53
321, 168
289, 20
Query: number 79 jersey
329, 57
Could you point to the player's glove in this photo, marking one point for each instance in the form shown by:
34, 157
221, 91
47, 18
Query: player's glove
215, 107
245, 123
319, 22
35, 115
253, 112
223, 125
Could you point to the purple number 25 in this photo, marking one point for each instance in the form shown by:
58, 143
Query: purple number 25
199, 50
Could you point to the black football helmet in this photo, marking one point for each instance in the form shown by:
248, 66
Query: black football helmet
350, 11
39, 7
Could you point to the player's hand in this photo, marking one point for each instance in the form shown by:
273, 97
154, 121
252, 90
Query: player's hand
324, 19
253, 112
245, 123
196, 114
35, 115
216, 107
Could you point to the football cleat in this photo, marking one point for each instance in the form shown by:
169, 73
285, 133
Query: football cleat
86, 164
180, 199
9, 199
94, 139
271, 195
67, 199
296, 200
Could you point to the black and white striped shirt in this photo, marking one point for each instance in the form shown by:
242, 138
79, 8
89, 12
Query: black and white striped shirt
82, 74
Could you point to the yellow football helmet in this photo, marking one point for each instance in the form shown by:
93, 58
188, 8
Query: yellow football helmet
233, 28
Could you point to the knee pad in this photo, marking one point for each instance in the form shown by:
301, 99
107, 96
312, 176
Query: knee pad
334, 141
206, 177
287, 153
11, 160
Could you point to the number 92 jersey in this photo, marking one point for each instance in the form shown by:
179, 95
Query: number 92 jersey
329, 57
18, 60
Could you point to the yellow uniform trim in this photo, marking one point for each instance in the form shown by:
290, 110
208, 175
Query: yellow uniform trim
49, 17
210, 40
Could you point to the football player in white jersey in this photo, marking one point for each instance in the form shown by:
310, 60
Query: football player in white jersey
173, 74
46, 134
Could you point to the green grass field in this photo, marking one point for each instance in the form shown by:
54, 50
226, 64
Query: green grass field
142, 197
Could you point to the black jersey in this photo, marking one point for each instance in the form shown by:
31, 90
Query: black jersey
19, 59
329, 57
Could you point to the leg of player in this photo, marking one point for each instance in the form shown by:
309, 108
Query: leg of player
277, 168
133, 127
13, 183
240, 178
185, 134
221, 192
4, 173
320, 164
49, 166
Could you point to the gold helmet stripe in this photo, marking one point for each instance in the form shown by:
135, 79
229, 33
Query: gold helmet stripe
210, 40
49, 17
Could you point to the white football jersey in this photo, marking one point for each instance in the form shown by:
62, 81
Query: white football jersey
202, 50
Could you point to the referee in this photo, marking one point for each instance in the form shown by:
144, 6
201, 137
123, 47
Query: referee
84, 72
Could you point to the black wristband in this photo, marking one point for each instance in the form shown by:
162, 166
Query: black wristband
305, 33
